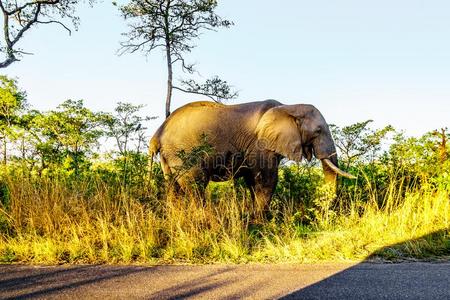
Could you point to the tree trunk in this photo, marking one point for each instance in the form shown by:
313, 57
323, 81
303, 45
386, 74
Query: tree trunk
169, 81
22, 144
4, 150
10, 58
168, 56
443, 147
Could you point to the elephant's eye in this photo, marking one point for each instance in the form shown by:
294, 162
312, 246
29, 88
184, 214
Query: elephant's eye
318, 131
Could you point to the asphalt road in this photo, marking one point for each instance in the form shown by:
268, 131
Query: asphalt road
308, 281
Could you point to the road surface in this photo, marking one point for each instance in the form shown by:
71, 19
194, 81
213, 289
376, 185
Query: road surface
307, 281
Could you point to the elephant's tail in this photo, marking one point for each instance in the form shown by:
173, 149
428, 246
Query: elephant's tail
153, 150
154, 146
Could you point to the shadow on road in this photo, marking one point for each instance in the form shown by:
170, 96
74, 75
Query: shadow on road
193, 285
23, 282
395, 280
94, 281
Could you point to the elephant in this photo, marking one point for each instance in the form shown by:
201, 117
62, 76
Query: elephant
248, 140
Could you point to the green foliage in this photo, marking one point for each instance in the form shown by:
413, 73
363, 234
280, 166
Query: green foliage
127, 129
358, 143
214, 88
5, 197
64, 143
65, 137
12, 98
5, 207
126, 126
419, 156
299, 183
12, 101
410, 161
196, 155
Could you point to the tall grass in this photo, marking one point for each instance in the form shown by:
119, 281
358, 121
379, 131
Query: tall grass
53, 221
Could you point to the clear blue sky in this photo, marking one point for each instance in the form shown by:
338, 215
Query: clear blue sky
354, 60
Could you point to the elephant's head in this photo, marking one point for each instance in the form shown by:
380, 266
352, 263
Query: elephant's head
297, 131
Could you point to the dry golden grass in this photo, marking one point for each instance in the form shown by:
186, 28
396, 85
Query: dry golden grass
54, 222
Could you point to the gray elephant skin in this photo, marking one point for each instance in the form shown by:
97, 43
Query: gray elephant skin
248, 140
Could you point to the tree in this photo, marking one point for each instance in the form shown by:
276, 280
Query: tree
172, 25
214, 88
25, 138
20, 16
12, 100
126, 126
443, 136
357, 142
68, 133
418, 156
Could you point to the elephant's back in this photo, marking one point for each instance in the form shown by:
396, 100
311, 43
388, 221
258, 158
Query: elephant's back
185, 125
218, 122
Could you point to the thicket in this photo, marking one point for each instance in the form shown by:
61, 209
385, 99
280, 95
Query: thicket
75, 187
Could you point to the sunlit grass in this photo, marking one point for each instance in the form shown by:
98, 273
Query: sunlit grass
50, 221
356, 237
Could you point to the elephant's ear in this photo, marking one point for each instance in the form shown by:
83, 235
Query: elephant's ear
277, 131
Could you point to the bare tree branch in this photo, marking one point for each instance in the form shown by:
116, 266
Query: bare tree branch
19, 17
28, 25
214, 88
21, 8
56, 22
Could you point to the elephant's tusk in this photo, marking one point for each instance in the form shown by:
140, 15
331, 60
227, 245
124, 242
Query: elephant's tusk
332, 154
337, 170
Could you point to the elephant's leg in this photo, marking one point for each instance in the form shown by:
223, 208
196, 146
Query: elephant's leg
181, 182
262, 196
250, 183
264, 187
165, 166
172, 187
